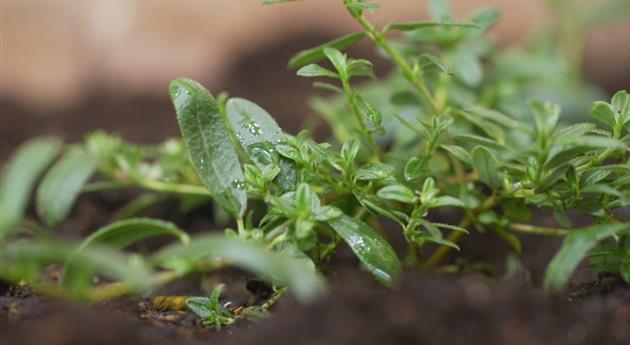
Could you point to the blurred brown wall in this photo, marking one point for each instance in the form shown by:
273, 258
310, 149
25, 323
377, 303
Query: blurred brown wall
55, 52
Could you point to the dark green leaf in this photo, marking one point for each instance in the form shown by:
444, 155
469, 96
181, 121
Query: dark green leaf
486, 166
479, 140
373, 251
25, 166
317, 53
61, 185
552, 178
575, 247
209, 144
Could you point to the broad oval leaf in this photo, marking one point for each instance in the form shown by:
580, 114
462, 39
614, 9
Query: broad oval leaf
25, 166
373, 251
259, 135
575, 247
208, 141
317, 53
62, 184
298, 274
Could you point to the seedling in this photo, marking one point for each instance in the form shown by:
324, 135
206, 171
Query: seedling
431, 136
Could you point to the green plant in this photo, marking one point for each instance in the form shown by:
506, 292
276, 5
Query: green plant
427, 143
210, 310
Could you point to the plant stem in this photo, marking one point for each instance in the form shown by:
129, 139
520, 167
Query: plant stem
440, 253
105, 185
350, 96
274, 298
539, 230
377, 37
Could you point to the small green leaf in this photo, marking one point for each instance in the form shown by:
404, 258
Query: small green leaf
621, 105
485, 18
467, 66
373, 251
61, 185
339, 60
486, 167
546, 117
298, 274
397, 192
317, 53
575, 247
20, 174
458, 152
350, 149
446, 200
209, 144
374, 171
315, 70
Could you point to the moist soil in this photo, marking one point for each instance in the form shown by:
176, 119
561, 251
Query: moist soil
483, 306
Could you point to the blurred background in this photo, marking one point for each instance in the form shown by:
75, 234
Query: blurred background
70, 66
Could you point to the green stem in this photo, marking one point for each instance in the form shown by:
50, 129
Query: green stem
105, 185
538, 230
357, 114
440, 253
378, 38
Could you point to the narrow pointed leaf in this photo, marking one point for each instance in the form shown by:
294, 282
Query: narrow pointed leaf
317, 53
208, 141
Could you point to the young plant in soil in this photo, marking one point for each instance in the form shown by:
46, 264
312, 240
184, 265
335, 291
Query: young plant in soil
448, 132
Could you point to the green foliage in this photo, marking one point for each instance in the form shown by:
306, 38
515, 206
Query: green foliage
458, 129
26, 165
210, 310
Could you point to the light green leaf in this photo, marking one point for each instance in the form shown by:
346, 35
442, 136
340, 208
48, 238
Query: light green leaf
467, 66
315, 70
397, 192
298, 274
373, 251
62, 185
458, 152
446, 200
25, 166
575, 247
603, 112
209, 144
486, 166
317, 53
374, 171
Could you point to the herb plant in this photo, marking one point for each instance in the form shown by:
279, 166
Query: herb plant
429, 142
